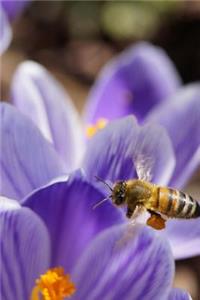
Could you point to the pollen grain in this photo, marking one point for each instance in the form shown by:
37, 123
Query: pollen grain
91, 130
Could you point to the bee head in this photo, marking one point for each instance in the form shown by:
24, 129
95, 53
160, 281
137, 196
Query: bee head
119, 193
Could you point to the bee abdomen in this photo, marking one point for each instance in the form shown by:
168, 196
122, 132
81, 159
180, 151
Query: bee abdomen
197, 211
188, 207
174, 203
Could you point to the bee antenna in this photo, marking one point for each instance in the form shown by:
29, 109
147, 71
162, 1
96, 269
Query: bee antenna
101, 180
100, 202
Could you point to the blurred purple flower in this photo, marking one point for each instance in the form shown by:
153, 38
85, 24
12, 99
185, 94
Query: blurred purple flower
5, 31
39, 96
134, 82
14, 8
9, 10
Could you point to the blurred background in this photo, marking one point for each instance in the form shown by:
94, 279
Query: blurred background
74, 39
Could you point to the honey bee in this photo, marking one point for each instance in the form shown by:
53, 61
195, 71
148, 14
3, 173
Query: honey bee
161, 202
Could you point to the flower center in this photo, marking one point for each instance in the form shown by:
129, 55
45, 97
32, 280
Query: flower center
91, 130
53, 285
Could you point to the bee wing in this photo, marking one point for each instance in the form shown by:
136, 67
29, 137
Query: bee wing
144, 166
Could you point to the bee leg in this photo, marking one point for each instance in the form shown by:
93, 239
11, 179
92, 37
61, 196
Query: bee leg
134, 212
129, 212
156, 221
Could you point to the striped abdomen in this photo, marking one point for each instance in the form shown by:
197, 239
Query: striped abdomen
176, 204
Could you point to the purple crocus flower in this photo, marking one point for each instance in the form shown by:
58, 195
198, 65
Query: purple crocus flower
134, 82
56, 226
142, 268
9, 10
109, 154
38, 95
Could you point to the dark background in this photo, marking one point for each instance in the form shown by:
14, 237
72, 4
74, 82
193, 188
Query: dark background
74, 39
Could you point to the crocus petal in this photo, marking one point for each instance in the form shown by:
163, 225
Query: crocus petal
111, 152
184, 237
66, 207
178, 294
27, 159
133, 83
38, 95
5, 31
25, 250
14, 7
180, 115
125, 263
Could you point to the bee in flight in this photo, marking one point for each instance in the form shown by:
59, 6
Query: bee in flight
161, 202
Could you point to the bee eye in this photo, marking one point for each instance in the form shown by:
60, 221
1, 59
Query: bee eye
119, 200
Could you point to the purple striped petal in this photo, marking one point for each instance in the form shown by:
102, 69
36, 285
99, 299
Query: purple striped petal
111, 151
133, 83
27, 159
178, 294
125, 263
180, 115
66, 206
38, 95
25, 250
5, 31
184, 237
14, 7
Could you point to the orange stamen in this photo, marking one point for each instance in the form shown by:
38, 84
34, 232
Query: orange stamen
53, 285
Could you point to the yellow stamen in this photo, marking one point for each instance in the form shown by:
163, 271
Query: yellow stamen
53, 285
91, 130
